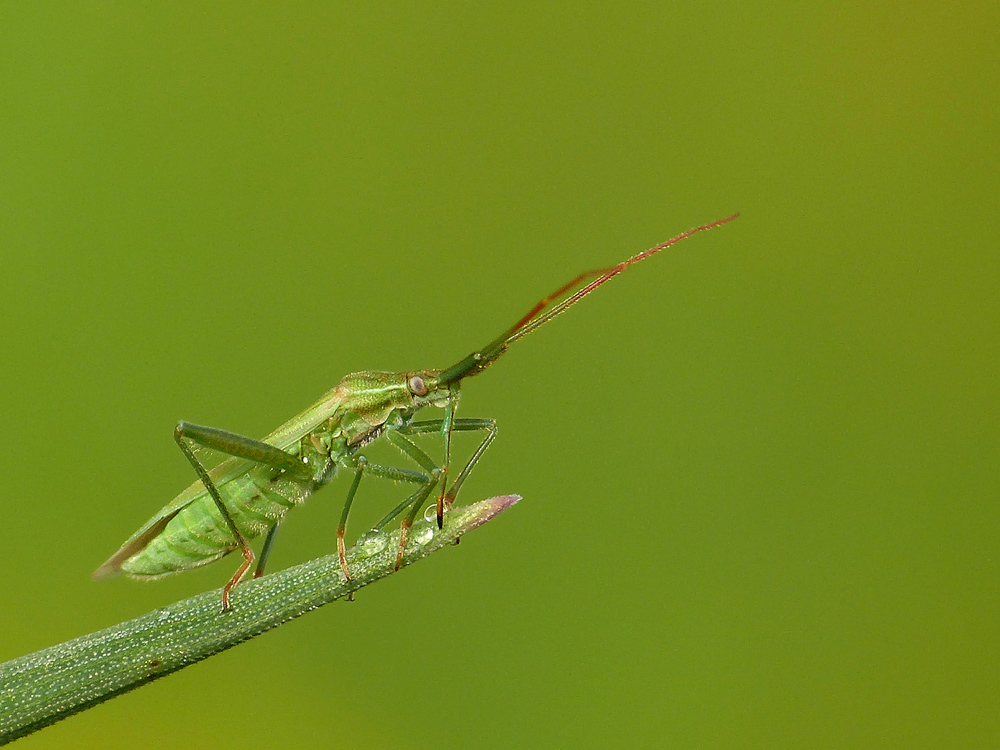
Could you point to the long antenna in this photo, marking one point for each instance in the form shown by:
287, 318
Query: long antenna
554, 304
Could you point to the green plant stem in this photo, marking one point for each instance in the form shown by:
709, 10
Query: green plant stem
41, 688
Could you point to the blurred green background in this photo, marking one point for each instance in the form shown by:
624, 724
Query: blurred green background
760, 472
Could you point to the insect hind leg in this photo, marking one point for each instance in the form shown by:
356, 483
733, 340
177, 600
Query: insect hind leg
242, 447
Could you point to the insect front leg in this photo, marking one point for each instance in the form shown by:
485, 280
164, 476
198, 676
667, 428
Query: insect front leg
449, 494
242, 447
447, 425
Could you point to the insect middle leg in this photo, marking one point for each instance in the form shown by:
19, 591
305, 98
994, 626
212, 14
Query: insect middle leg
265, 550
362, 466
240, 446
415, 501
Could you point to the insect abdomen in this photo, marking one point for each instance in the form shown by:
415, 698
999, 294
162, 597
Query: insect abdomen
198, 535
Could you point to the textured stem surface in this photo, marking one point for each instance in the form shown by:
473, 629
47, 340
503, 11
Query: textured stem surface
41, 688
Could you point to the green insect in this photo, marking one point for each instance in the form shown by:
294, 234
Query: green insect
250, 492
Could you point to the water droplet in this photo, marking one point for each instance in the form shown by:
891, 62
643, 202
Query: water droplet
372, 542
423, 535
431, 512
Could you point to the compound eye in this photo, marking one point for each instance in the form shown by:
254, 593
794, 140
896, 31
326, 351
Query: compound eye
417, 385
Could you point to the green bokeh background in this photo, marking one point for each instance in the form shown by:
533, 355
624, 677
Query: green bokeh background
760, 472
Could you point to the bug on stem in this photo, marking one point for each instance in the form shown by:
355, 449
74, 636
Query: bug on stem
250, 492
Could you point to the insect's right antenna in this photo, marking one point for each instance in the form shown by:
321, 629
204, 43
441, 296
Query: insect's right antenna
554, 304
